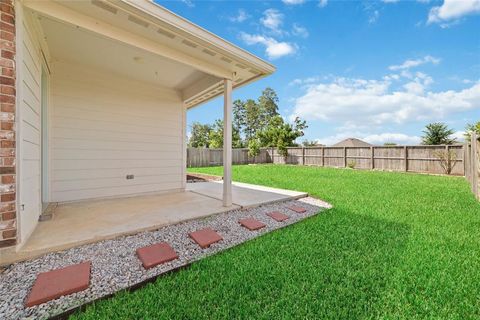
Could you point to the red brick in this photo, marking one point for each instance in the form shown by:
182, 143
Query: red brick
8, 215
205, 237
8, 18
278, 216
7, 27
60, 282
8, 243
9, 72
5, 207
251, 224
7, 144
7, 107
7, 125
7, 197
6, 169
7, 99
7, 81
10, 90
156, 254
297, 209
6, 7
8, 54
6, 179
9, 234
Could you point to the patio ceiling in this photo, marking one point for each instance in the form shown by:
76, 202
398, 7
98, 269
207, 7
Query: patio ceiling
146, 42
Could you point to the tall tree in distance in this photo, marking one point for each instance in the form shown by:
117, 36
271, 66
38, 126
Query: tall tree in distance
470, 128
200, 135
215, 136
437, 133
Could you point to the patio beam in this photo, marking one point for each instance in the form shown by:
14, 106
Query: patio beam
68, 16
227, 143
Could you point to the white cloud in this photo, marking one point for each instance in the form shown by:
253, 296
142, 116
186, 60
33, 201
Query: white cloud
189, 3
299, 82
374, 17
272, 19
241, 16
452, 10
322, 3
372, 138
415, 63
273, 48
299, 31
373, 103
293, 2
459, 135
398, 138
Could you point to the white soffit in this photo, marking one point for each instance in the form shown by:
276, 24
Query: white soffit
145, 19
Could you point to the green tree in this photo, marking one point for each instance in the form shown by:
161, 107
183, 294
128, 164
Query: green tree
280, 134
308, 143
200, 135
437, 133
470, 128
389, 144
215, 136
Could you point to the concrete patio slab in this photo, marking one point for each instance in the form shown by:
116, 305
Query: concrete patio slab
84, 222
244, 194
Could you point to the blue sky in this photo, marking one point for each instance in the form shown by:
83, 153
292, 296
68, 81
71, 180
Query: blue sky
379, 70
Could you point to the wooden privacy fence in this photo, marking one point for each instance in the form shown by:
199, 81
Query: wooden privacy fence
394, 158
472, 164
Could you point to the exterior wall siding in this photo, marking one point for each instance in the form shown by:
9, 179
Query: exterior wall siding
106, 127
8, 208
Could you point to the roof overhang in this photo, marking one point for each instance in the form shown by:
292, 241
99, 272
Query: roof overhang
156, 30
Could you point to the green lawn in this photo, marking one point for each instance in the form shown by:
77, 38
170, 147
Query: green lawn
394, 246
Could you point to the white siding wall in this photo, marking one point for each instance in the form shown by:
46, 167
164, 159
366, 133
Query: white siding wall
29, 66
105, 127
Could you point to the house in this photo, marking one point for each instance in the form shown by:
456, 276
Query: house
94, 96
352, 142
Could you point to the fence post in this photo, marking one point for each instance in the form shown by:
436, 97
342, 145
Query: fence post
474, 164
303, 156
345, 157
323, 157
372, 157
405, 157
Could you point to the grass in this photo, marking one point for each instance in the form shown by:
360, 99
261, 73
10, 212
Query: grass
395, 246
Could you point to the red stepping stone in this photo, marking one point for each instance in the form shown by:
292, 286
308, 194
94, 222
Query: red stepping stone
251, 224
297, 209
205, 237
60, 282
156, 254
278, 216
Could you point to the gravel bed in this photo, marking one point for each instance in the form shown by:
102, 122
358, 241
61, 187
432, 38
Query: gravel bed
115, 265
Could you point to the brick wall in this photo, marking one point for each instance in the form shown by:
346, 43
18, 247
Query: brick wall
8, 214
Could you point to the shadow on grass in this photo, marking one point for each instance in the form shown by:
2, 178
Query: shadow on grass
334, 265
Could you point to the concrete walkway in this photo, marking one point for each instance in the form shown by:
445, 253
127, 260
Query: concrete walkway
85, 222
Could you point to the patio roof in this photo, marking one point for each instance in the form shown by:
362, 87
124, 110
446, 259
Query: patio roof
147, 42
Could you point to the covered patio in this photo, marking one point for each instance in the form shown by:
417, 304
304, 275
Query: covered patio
84, 222
104, 88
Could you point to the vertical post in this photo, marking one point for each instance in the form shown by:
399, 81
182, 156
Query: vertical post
323, 156
447, 150
405, 157
303, 156
475, 168
227, 143
372, 157
345, 157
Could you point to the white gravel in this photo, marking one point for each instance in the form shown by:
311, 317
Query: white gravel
115, 265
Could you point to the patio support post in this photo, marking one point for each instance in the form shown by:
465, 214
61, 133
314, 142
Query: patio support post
227, 143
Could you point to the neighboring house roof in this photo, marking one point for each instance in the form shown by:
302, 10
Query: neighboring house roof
352, 142
192, 60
